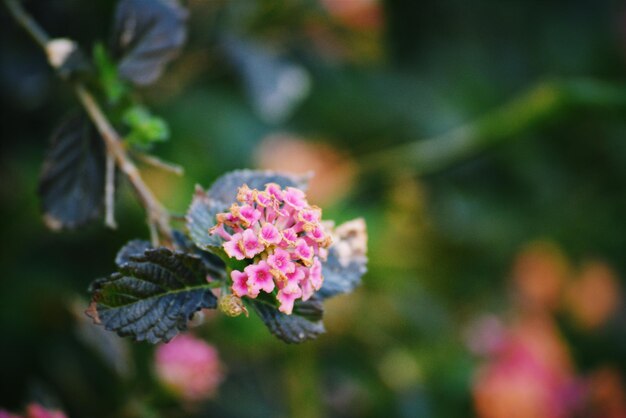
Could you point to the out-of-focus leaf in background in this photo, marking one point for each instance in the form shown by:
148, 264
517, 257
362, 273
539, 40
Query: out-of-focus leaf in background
72, 178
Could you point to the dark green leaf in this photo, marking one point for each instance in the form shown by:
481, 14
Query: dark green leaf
147, 35
71, 186
134, 248
153, 295
214, 265
292, 328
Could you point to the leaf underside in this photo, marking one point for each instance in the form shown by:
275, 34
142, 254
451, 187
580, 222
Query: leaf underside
71, 185
148, 34
340, 278
153, 295
292, 328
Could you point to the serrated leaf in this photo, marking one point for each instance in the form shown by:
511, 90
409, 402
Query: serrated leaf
147, 35
71, 185
153, 295
291, 328
225, 187
133, 248
346, 262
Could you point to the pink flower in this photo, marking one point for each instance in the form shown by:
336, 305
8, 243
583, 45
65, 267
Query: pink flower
270, 235
303, 251
295, 198
282, 239
281, 261
34, 410
240, 283
315, 274
234, 247
251, 244
287, 296
260, 277
289, 237
189, 368
249, 215
274, 190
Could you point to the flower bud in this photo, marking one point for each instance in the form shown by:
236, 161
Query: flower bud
232, 305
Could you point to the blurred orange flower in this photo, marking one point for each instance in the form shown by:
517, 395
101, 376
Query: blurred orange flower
334, 171
594, 296
539, 275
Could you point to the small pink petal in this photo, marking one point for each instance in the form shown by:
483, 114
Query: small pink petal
274, 190
315, 274
303, 251
233, 247
251, 244
240, 286
281, 260
295, 198
287, 296
249, 215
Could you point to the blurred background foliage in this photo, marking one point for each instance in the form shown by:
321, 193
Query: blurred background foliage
489, 275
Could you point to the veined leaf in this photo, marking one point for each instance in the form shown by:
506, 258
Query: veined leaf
148, 34
71, 186
294, 328
153, 295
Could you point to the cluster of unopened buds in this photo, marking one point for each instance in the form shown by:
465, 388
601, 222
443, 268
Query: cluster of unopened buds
281, 236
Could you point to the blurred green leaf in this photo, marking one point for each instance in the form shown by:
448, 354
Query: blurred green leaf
148, 35
114, 88
145, 128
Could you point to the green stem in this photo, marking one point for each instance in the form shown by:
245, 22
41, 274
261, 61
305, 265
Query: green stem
540, 103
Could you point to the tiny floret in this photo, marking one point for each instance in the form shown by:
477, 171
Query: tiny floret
282, 238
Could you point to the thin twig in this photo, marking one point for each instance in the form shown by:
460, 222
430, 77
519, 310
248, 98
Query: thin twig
27, 22
158, 216
158, 163
109, 193
542, 102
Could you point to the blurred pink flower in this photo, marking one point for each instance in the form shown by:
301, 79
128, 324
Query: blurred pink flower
34, 410
189, 367
529, 376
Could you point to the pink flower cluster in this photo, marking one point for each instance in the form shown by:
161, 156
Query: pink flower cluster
282, 235
189, 367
